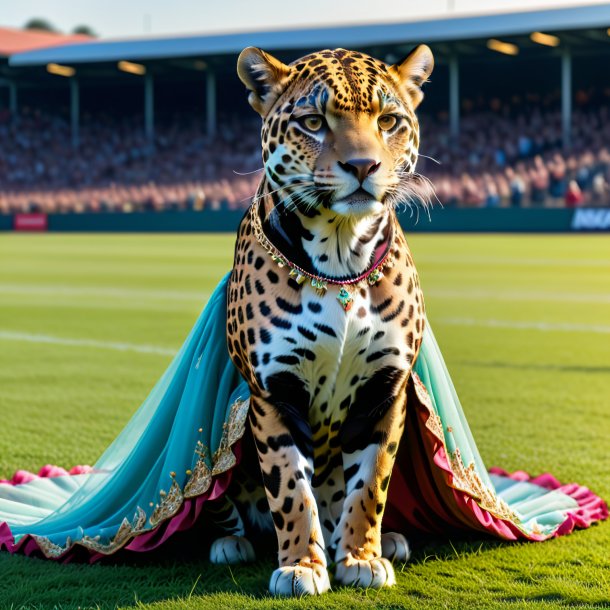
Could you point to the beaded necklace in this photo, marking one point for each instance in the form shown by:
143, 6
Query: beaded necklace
320, 282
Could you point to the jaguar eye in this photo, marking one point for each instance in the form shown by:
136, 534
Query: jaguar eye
387, 122
312, 122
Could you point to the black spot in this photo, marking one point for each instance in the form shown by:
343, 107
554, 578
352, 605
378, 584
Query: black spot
288, 307
383, 305
307, 333
287, 505
265, 335
286, 359
281, 440
385, 482
348, 473
314, 307
304, 353
280, 322
338, 495
260, 446
327, 330
272, 276
395, 313
277, 519
259, 262
384, 352
272, 481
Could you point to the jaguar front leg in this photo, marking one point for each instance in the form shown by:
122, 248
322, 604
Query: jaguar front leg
369, 457
233, 547
286, 475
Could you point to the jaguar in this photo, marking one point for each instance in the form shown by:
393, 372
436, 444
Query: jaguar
325, 315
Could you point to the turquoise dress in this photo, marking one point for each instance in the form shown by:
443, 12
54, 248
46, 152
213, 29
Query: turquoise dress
180, 448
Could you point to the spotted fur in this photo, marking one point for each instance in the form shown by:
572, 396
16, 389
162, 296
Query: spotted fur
328, 386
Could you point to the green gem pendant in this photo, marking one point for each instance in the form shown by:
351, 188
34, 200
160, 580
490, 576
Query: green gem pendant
374, 277
345, 299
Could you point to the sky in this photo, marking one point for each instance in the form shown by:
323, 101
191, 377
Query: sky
124, 18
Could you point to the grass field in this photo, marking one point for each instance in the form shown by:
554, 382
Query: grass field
87, 324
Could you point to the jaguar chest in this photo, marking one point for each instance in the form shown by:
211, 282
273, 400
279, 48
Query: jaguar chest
295, 341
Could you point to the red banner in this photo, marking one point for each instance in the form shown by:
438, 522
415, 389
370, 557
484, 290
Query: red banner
30, 222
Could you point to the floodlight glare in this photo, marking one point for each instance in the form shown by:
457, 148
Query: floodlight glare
546, 39
502, 47
60, 70
128, 66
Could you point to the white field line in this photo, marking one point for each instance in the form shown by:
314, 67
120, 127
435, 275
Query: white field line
201, 297
517, 262
516, 295
7, 335
100, 291
528, 325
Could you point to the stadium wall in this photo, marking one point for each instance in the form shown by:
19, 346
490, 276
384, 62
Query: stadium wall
524, 220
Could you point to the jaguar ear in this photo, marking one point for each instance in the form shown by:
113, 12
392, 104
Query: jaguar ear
414, 71
264, 76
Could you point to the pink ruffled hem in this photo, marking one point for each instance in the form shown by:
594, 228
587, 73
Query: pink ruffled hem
591, 508
185, 518
49, 471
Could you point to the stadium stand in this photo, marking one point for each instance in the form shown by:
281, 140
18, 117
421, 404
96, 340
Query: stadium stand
518, 162
489, 139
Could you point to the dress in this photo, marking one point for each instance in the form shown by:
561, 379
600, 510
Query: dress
180, 448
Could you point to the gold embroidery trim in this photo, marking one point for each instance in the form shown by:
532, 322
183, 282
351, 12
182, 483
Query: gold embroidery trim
199, 481
464, 478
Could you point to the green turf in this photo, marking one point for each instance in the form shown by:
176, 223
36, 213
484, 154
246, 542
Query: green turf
537, 397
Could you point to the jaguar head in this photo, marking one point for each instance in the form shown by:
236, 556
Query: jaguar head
339, 128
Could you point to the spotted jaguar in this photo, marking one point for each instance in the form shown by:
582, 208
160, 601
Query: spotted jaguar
325, 315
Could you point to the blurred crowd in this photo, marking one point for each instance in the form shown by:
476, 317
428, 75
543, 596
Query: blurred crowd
116, 168
507, 154
512, 155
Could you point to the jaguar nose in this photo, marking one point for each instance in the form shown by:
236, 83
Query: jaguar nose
361, 168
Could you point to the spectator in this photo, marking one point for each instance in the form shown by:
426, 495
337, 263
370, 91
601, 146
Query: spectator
574, 196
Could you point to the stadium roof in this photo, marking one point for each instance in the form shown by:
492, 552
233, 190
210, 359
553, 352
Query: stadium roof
17, 41
355, 36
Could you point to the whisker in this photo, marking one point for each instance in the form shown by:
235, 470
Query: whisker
431, 158
260, 169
